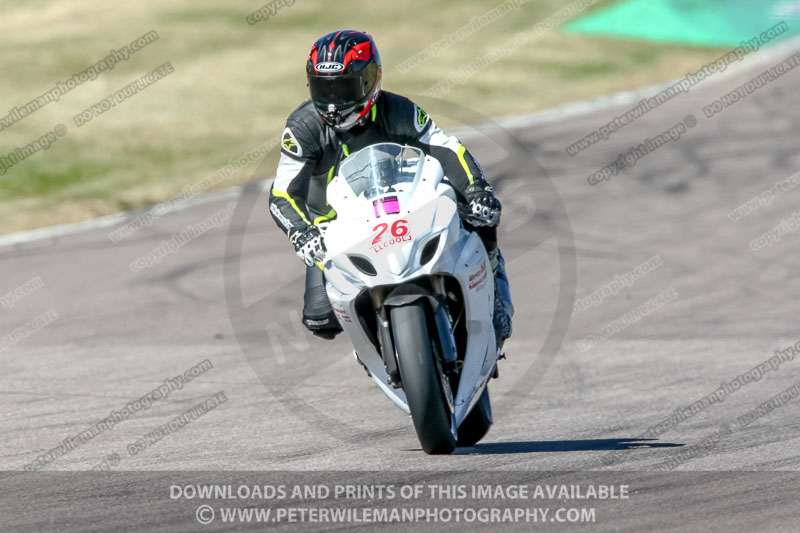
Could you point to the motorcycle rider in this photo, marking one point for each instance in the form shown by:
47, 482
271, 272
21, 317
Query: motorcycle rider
347, 112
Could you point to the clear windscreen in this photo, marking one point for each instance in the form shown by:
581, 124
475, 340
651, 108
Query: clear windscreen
383, 171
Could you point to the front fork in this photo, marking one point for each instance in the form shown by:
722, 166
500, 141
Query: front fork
444, 322
385, 341
444, 326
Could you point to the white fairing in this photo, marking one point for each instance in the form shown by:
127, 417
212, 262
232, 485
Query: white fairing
393, 243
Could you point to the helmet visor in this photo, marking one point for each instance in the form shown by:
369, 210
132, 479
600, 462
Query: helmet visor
341, 91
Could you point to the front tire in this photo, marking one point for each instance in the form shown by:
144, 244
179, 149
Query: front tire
421, 381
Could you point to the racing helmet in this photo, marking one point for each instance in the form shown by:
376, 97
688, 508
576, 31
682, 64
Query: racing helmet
344, 77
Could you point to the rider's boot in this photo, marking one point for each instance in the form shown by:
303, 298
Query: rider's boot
318, 315
503, 307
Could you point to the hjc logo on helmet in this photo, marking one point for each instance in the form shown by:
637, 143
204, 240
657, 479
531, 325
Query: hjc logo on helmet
329, 66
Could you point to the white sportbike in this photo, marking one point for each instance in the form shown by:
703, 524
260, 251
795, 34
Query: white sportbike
414, 291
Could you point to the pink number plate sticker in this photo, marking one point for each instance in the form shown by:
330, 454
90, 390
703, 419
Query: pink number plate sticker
386, 206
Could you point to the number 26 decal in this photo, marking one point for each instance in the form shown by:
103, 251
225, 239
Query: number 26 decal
399, 229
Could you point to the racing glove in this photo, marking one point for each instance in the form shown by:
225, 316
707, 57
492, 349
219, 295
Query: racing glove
308, 244
484, 208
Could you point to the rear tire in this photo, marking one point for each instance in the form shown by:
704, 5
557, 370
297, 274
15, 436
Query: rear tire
421, 381
477, 423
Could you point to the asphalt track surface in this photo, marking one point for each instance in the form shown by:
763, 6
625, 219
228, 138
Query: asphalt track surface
562, 414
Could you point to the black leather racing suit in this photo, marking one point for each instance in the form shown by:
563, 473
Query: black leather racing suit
310, 153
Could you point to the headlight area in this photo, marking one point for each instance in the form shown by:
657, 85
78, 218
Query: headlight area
363, 264
429, 249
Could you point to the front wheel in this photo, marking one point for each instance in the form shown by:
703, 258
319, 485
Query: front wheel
421, 380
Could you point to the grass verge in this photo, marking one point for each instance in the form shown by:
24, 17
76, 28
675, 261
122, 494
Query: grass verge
234, 84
